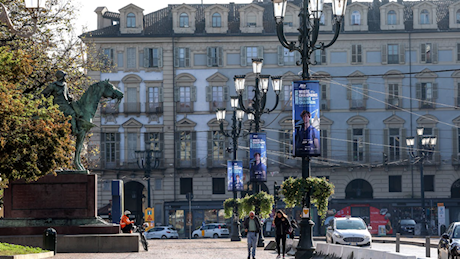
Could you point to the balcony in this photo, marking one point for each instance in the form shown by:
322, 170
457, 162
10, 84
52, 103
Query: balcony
357, 104
110, 108
193, 163
394, 103
184, 107
427, 104
214, 105
153, 108
132, 107
325, 104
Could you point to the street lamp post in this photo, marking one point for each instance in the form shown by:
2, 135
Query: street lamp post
258, 107
144, 161
425, 147
310, 16
235, 134
32, 5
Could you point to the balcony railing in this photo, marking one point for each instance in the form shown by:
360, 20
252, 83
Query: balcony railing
394, 103
184, 107
193, 163
214, 105
427, 104
153, 107
109, 108
132, 107
356, 104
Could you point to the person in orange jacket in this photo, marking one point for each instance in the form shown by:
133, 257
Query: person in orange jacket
126, 224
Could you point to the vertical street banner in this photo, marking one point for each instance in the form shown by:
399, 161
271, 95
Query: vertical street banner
235, 175
258, 157
306, 118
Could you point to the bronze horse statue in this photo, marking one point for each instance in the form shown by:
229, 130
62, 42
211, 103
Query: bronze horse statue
87, 105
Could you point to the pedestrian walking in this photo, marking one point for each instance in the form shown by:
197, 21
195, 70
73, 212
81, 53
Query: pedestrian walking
252, 227
283, 227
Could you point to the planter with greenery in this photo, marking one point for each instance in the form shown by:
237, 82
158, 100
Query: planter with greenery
229, 204
295, 190
262, 200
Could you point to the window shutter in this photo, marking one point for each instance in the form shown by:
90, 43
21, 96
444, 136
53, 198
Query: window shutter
353, 53
418, 91
243, 56
365, 91
386, 136
187, 57
402, 53
193, 94
454, 144
280, 56
402, 144
208, 94
220, 57
209, 158
178, 148
422, 52
176, 94
260, 52
225, 93
176, 57
141, 59
117, 148
193, 151
367, 151
103, 159
146, 58
349, 91
120, 59
160, 57
435, 91
281, 146
162, 142
435, 53
359, 54
349, 146
323, 57
160, 94
384, 54
458, 51
209, 58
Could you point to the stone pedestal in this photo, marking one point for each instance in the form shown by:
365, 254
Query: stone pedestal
67, 202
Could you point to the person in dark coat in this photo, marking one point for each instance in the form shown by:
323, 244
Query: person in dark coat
282, 226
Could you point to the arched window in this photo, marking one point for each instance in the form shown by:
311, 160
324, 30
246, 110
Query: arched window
358, 189
355, 18
183, 20
424, 17
457, 16
391, 17
216, 20
131, 20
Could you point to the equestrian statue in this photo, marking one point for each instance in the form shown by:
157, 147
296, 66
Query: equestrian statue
82, 111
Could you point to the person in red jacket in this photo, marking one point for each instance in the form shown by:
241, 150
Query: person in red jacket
126, 224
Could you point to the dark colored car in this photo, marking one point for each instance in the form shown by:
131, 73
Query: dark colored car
406, 226
449, 244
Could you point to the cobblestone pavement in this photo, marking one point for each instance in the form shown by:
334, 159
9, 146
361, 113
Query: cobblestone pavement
221, 248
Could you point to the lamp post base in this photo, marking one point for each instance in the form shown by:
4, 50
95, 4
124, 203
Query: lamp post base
260, 242
236, 236
305, 248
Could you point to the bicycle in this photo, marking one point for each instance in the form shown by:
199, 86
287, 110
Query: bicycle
141, 230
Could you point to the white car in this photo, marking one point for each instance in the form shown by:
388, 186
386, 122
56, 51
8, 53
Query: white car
349, 231
161, 232
214, 230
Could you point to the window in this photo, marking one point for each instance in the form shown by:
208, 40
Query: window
153, 141
357, 98
457, 16
216, 20
324, 143
108, 57
428, 182
152, 57
215, 56
111, 143
320, 57
153, 100
458, 52
288, 57
158, 184
355, 18
131, 52
356, 53
358, 145
183, 20
218, 146
185, 104
424, 17
286, 143
288, 20
394, 145
251, 20
426, 95
393, 54
186, 186
131, 103
250, 95
218, 185
391, 17
132, 147
131, 20
185, 145
287, 102
322, 19
426, 52
251, 53
324, 97
218, 98
394, 183
182, 57
393, 95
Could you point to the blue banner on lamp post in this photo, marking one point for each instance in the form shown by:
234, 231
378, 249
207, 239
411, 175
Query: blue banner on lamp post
258, 157
235, 175
306, 118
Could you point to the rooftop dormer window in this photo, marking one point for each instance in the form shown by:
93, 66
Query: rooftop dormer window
183, 20
131, 20
288, 20
391, 17
252, 20
355, 18
457, 16
424, 17
216, 20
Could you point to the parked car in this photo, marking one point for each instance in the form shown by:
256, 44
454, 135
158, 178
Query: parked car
161, 232
449, 244
406, 226
214, 230
349, 231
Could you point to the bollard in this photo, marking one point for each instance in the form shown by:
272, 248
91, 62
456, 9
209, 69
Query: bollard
50, 240
427, 246
398, 237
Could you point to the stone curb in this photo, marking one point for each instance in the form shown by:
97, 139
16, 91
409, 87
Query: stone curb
29, 256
